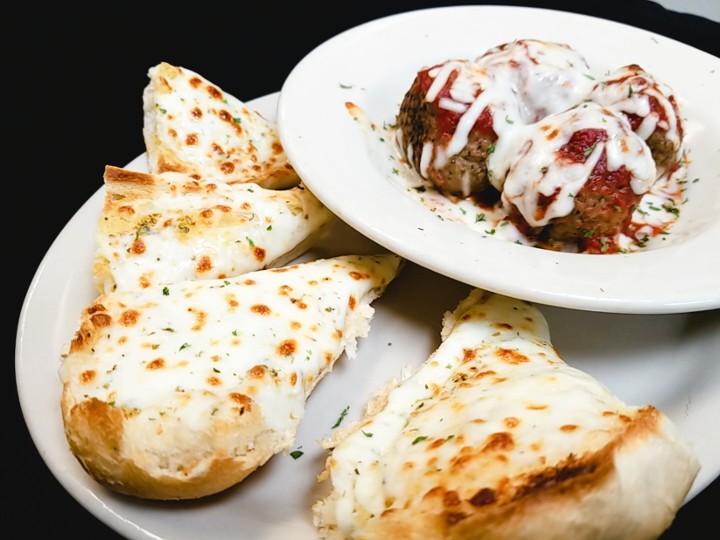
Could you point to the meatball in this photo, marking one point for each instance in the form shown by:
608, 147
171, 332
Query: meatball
573, 180
454, 112
649, 106
445, 129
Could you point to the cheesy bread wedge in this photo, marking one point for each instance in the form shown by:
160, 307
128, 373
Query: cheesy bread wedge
180, 391
494, 436
162, 228
192, 126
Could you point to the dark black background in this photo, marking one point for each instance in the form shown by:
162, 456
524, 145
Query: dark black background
75, 81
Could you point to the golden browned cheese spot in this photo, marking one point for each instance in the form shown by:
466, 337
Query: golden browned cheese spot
259, 253
537, 407
352, 302
249, 282
144, 282
504, 326
204, 264
483, 497
158, 363
277, 148
99, 320
338, 334
225, 116
295, 325
497, 442
511, 356
287, 347
172, 133
214, 92
624, 146
138, 247
483, 374
299, 303
568, 428
200, 317
511, 422
214, 381
246, 205
284, 290
293, 378
196, 113
87, 376
227, 167
358, 275
451, 498
129, 317
328, 358
207, 213
195, 82
469, 355
232, 302
625, 418
260, 309
129, 210
191, 139
217, 149
436, 443
257, 372
244, 402
552, 132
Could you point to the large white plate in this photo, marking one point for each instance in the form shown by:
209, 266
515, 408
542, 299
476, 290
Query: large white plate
374, 64
671, 361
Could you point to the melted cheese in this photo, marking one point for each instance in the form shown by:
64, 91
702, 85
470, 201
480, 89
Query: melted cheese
193, 126
519, 83
631, 90
183, 360
157, 229
492, 403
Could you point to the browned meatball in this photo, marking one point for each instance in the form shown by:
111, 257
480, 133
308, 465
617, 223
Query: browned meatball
428, 125
649, 106
573, 180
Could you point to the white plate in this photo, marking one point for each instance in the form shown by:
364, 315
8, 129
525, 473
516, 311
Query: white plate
678, 353
374, 64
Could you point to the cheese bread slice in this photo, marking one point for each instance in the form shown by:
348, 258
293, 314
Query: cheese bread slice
192, 126
181, 391
162, 228
495, 437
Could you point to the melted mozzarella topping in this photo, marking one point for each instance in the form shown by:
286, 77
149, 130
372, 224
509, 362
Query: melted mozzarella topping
525, 165
493, 402
158, 229
545, 77
519, 83
629, 90
186, 357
